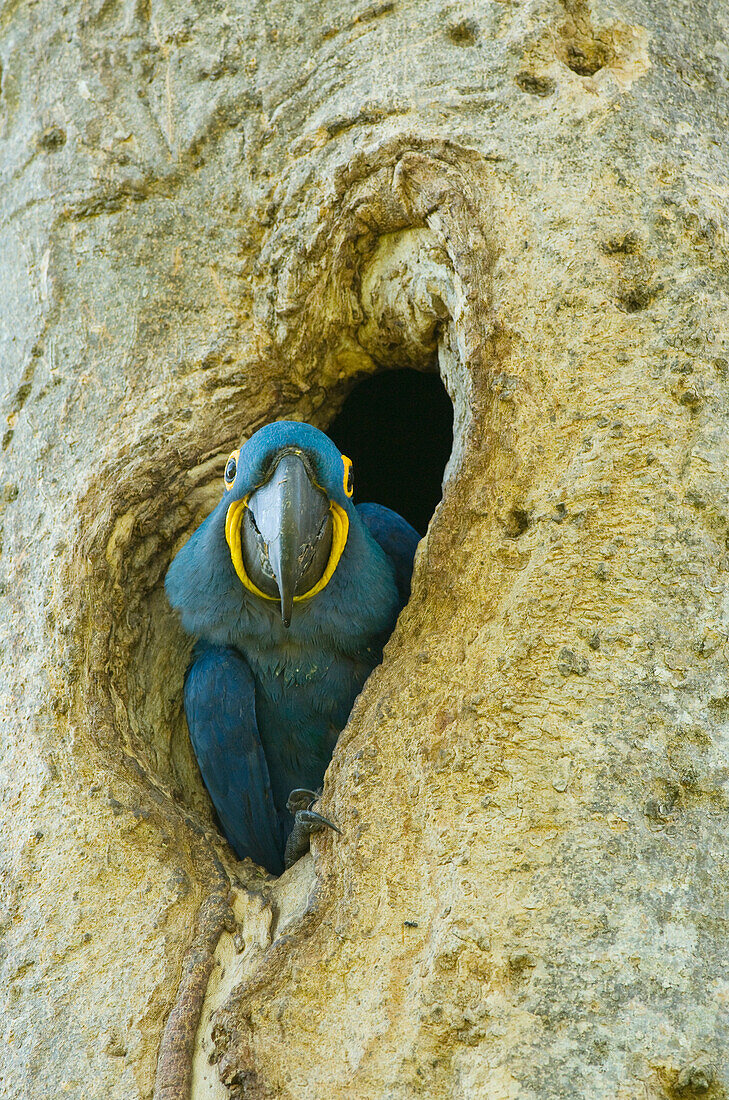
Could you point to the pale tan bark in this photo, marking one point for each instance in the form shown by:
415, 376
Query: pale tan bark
212, 217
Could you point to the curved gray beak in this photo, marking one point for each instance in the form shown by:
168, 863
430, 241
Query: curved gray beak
287, 534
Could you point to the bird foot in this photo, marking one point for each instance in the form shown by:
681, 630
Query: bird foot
306, 822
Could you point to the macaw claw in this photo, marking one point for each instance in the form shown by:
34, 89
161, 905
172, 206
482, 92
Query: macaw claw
301, 799
306, 822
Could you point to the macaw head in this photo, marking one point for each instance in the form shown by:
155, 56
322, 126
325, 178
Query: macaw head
287, 519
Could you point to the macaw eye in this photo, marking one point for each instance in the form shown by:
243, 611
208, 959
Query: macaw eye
348, 476
231, 467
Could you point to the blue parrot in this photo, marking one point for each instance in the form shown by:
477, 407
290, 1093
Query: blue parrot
292, 592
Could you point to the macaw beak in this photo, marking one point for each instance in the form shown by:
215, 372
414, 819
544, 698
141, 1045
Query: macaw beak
287, 534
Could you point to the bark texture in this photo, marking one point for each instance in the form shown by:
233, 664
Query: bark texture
217, 214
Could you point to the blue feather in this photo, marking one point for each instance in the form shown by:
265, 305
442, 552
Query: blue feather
221, 717
397, 538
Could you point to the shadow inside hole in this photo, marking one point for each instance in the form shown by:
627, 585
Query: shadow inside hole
397, 427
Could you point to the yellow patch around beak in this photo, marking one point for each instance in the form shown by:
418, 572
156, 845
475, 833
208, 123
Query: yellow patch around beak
233, 521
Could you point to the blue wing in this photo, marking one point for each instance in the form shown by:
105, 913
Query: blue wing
221, 716
397, 538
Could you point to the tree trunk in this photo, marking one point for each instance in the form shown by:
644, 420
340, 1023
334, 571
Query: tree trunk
218, 215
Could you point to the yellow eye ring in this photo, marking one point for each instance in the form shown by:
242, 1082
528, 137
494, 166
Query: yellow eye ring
231, 469
348, 480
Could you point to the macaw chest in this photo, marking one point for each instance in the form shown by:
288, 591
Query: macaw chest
308, 688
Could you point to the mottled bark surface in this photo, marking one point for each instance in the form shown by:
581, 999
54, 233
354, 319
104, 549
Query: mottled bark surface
213, 215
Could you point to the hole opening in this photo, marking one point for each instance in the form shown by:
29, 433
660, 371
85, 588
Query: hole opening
397, 427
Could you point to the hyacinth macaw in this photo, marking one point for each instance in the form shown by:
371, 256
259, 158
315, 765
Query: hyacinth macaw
292, 592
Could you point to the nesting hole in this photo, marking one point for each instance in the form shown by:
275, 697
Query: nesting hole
397, 427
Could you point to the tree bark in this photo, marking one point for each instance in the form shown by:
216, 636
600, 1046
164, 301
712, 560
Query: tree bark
213, 216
